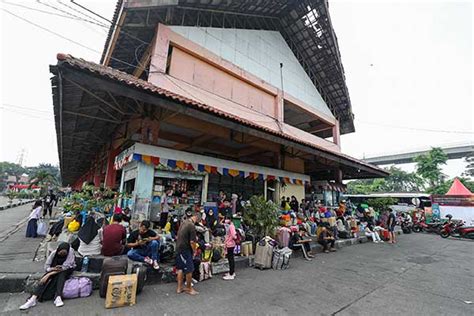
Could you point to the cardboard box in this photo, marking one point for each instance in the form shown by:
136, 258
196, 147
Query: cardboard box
121, 291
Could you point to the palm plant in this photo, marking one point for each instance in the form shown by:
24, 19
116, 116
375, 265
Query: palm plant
43, 179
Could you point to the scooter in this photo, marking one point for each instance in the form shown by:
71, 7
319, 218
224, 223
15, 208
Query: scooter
457, 230
406, 226
422, 226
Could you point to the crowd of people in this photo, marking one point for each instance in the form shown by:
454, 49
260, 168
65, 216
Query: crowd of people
199, 236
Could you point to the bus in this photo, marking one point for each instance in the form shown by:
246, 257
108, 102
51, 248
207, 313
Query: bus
405, 201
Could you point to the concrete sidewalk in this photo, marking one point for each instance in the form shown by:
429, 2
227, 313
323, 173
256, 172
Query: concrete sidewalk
17, 252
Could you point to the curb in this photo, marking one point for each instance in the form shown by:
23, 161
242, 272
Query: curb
4, 207
25, 282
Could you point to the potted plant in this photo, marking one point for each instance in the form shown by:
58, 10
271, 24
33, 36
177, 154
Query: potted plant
261, 216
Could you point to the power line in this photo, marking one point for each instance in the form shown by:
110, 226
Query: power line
69, 13
417, 129
25, 107
64, 37
27, 114
48, 12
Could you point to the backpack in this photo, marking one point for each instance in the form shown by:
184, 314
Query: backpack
281, 258
216, 255
77, 287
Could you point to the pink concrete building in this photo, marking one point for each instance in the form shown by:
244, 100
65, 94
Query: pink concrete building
193, 97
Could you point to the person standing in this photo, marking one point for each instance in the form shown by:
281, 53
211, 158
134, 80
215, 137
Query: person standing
48, 201
31, 229
185, 247
59, 267
230, 237
391, 222
294, 204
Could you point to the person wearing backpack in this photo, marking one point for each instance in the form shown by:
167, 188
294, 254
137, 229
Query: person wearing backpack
59, 267
230, 243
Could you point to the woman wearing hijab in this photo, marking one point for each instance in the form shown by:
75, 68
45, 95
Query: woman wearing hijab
59, 267
90, 238
33, 219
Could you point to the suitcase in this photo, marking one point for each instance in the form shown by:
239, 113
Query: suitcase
111, 266
264, 254
140, 270
281, 258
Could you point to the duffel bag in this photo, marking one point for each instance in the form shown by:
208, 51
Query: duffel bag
77, 287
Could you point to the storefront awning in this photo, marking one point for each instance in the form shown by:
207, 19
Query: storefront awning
179, 160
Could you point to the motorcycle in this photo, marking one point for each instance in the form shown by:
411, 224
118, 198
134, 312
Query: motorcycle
406, 225
422, 226
457, 230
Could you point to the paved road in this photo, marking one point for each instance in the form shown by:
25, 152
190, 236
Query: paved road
421, 275
17, 251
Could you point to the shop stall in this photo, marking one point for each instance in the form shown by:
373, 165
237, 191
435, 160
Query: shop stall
160, 180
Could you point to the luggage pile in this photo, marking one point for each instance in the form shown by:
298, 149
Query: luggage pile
268, 255
116, 286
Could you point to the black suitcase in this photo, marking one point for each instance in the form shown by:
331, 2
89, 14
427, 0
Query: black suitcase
111, 266
140, 270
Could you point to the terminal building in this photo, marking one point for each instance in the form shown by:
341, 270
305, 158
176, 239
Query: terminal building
193, 96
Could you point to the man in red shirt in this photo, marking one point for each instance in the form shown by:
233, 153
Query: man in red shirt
114, 236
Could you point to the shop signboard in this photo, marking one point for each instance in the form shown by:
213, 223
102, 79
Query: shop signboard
436, 215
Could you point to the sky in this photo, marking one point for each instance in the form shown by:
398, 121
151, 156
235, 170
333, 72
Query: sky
408, 67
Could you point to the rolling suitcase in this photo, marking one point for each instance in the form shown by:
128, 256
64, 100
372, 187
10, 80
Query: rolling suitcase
140, 270
264, 254
111, 266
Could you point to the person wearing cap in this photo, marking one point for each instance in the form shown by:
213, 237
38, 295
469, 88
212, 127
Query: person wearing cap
185, 247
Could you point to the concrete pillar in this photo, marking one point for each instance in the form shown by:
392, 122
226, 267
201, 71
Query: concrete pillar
336, 135
144, 181
111, 173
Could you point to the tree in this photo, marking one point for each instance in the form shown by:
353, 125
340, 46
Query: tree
469, 159
11, 169
397, 181
429, 165
43, 179
262, 216
381, 204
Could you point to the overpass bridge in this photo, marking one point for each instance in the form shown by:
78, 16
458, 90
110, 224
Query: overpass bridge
454, 151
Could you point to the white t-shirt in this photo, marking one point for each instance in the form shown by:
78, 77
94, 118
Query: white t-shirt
36, 213
93, 248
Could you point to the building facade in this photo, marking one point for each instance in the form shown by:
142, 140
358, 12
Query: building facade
194, 97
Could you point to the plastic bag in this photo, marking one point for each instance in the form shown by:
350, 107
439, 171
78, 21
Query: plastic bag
42, 229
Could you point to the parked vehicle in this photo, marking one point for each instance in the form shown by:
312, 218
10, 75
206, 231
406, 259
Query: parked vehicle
456, 230
432, 227
406, 225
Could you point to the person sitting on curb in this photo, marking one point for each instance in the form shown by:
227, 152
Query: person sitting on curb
299, 242
59, 267
114, 237
145, 245
370, 232
326, 239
